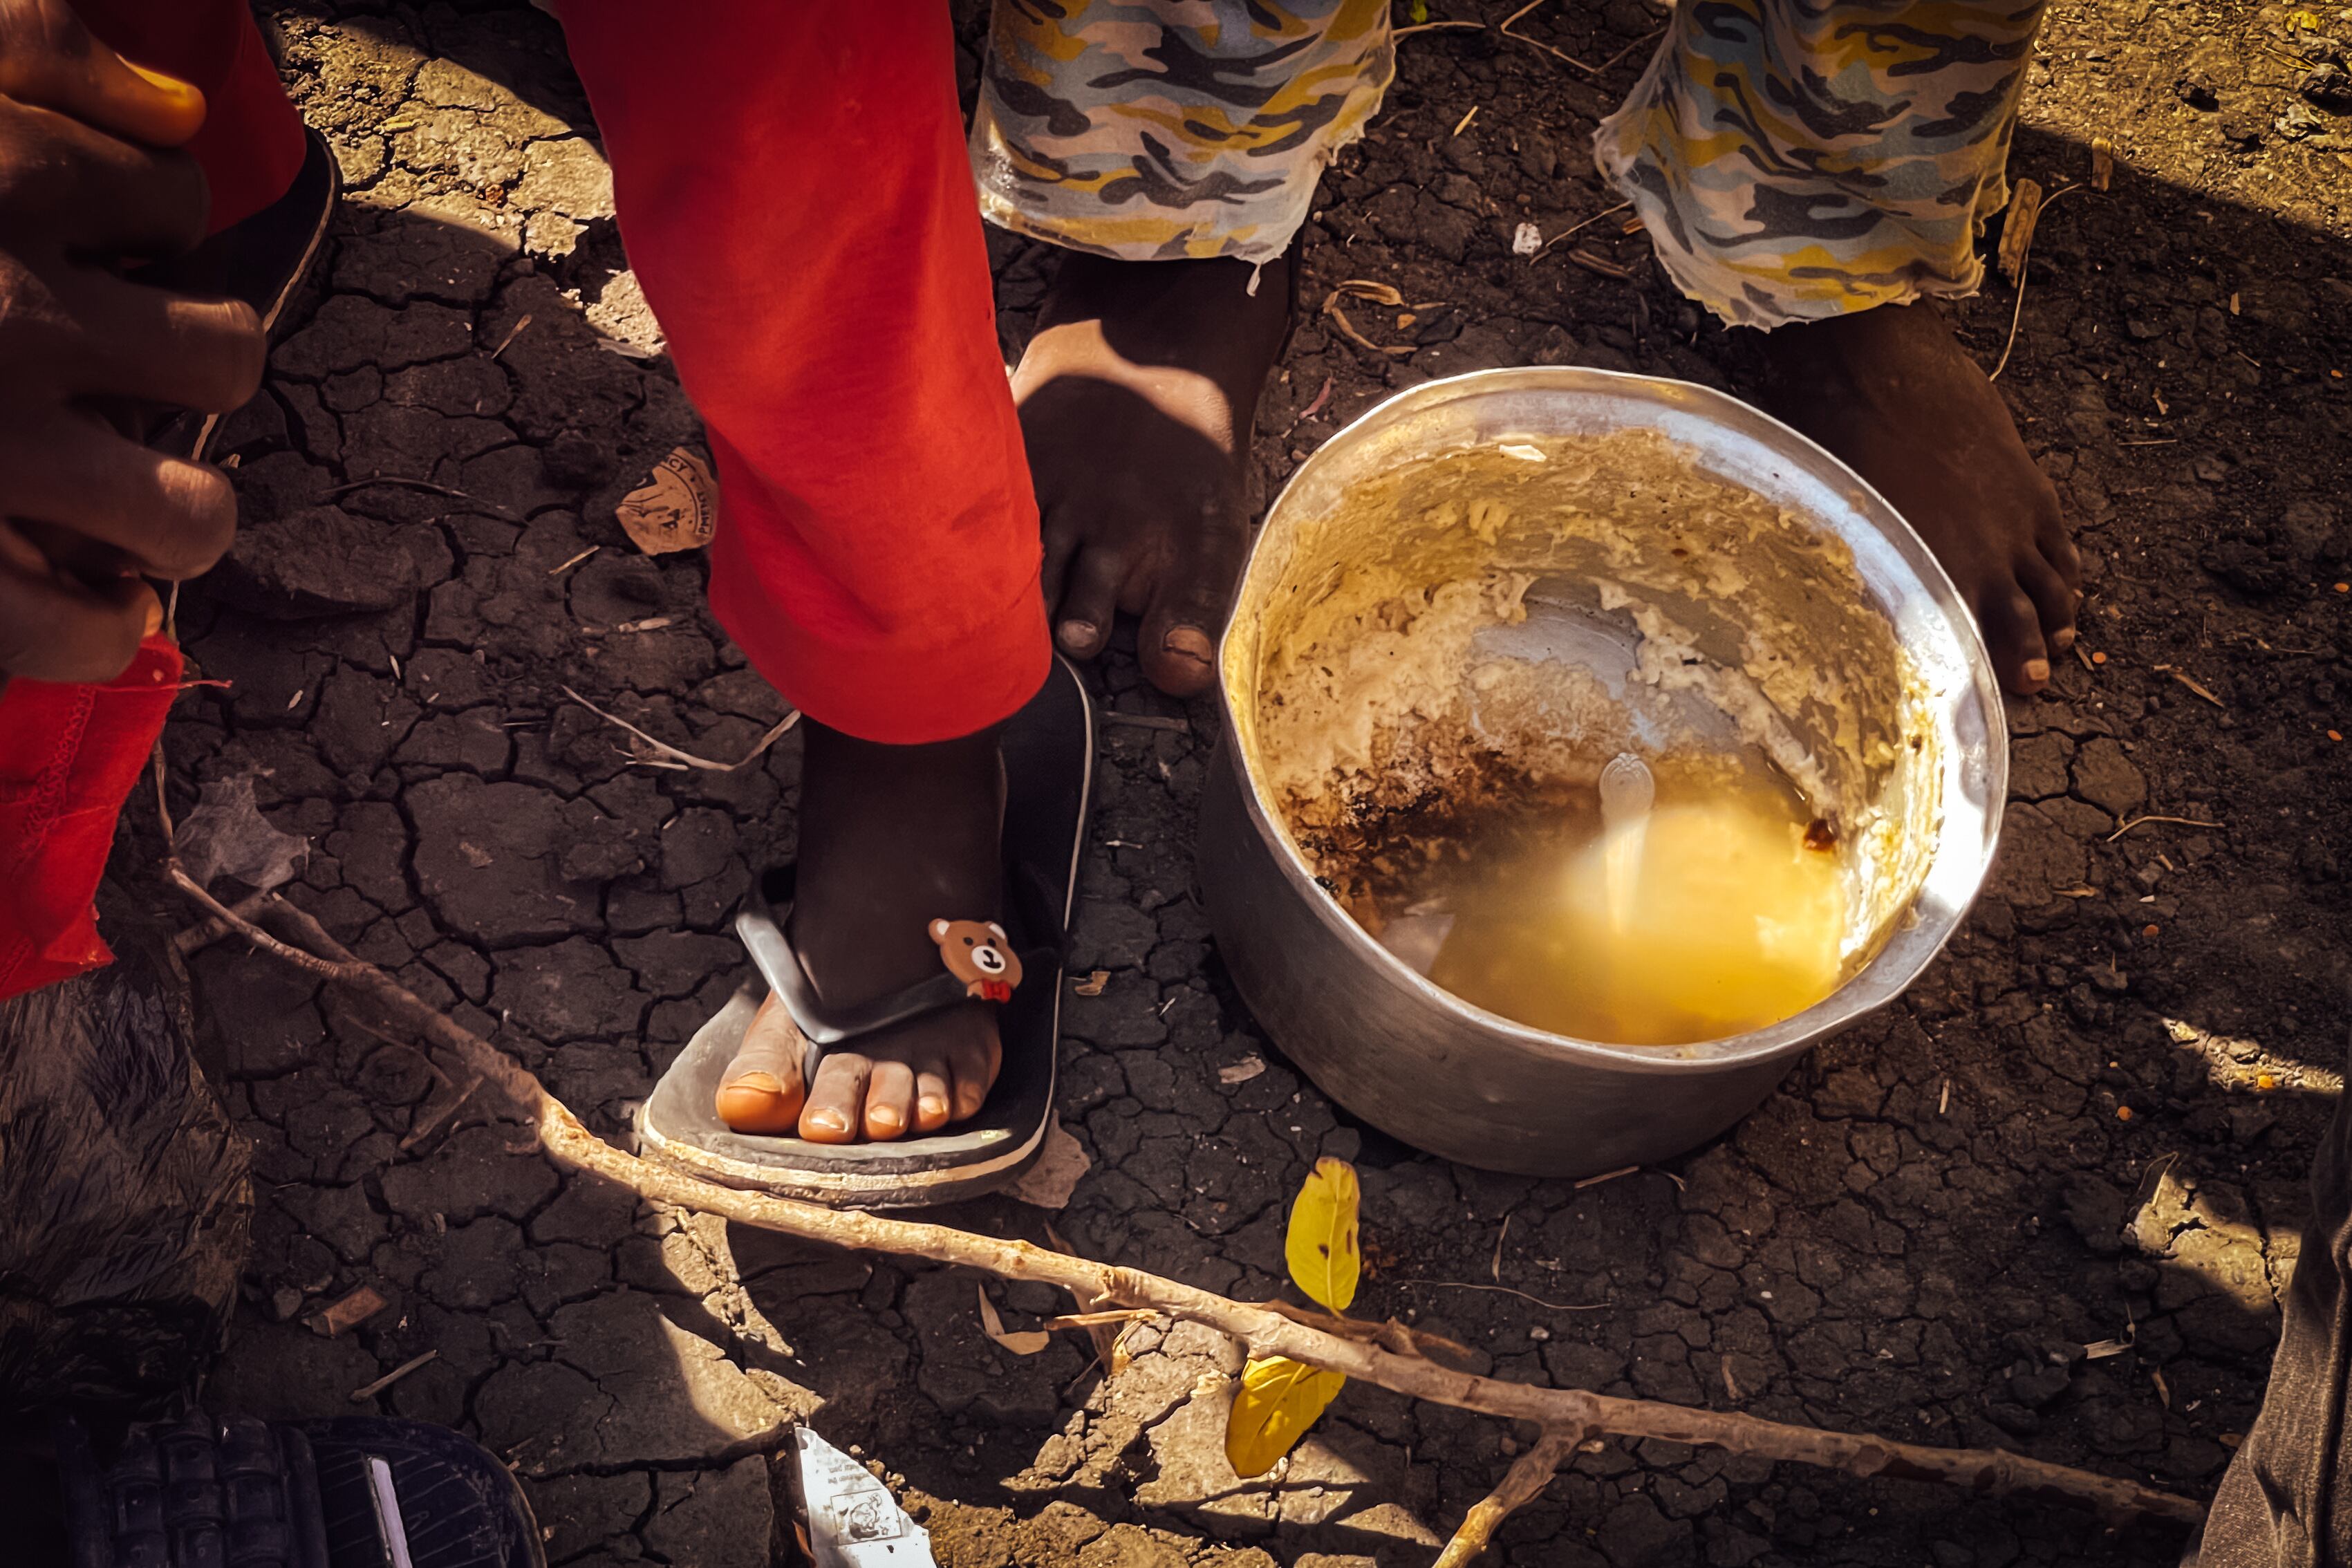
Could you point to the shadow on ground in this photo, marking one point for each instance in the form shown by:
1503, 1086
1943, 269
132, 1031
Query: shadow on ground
1917, 1236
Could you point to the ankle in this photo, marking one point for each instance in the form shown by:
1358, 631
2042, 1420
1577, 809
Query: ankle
892, 837
1194, 313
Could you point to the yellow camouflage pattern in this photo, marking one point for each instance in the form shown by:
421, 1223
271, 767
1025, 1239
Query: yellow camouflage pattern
1157, 129
1792, 159
1796, 159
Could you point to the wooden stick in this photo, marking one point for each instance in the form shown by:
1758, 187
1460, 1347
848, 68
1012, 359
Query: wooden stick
1525, 1482
1264, 1332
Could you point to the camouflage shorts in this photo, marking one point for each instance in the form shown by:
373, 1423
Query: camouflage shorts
1794, 160
1153, 130
1791, 158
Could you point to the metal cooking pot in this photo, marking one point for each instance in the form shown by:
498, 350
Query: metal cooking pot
1452, 1078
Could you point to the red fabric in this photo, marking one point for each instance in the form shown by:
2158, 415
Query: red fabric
251, 144
69, 757
795, 197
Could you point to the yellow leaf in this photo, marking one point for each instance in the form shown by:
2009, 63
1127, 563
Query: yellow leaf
1321, 1247
1278, 1401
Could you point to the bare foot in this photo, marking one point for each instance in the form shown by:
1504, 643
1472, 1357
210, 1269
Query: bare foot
1137, 395
1892, 392
892, 837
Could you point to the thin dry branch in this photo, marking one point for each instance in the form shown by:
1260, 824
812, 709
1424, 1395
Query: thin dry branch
1521, 1485
688, 759
1562, 54
2024, 257
1579, 228
2182, 821
471, 503
1264, 1332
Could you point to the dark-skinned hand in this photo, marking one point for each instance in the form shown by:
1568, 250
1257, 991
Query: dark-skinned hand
89, 186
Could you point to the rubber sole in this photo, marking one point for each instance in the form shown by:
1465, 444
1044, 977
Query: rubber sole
1049, 775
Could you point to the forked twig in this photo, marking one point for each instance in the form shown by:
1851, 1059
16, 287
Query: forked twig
2024, 258
1523, 1483
689, 759
1562, 54
1261, 1331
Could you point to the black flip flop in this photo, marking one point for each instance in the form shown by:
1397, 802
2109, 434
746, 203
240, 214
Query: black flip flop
1049, 749
358, 1492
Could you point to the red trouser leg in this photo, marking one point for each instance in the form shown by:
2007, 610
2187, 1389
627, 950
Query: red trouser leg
69, 754
794, 195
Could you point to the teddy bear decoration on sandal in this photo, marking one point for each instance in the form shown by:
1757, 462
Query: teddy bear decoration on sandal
980, 954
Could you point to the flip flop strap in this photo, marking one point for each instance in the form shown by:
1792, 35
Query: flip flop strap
762, 928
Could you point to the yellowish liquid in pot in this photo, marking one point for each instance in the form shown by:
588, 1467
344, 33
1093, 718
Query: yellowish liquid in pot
1710, 917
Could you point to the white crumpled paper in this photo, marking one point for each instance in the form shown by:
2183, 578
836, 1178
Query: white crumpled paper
853, 1520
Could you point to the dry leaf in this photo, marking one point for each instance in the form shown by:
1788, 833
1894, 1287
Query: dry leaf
1365, 289
227, 836
675, 509
1278, 1401
350, 1312
1110, 1346
1092, 986
1321, 1245
1028, 1341
2017, 230
2103, 163
1242, 1071
1049, 1183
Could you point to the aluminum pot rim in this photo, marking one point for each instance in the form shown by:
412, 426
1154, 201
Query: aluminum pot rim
1878, 982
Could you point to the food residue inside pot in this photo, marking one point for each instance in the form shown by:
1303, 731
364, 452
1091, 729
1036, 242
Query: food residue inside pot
1460, 648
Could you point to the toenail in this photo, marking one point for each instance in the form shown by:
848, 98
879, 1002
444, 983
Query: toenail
1077, 633
2037, 669
933, 1106
2062, 639
883, 1116
1188, 642
830, 1120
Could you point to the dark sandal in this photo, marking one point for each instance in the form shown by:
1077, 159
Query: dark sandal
358, 1492
1048, 750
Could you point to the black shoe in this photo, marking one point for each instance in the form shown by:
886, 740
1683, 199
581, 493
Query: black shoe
261, 260
352, 1492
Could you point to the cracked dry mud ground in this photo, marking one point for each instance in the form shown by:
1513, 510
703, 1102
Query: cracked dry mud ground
1917, 1236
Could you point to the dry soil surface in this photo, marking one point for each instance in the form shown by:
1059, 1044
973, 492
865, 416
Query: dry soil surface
2059, 1139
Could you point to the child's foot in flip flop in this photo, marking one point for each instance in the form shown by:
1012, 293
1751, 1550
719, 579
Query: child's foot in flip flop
891, 838
1137, 395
